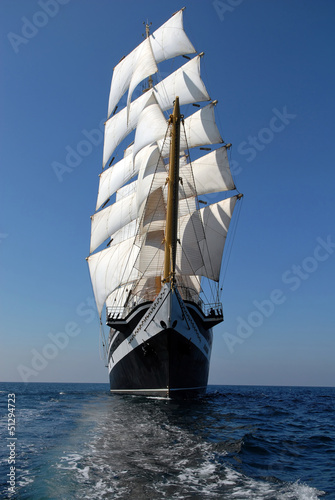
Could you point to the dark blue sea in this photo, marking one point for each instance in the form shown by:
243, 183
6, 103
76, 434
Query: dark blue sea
77, 441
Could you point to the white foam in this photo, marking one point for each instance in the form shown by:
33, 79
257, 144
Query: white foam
301, 491
25, 479
158, 397
85, 472
70, 460
207, 479
193, 467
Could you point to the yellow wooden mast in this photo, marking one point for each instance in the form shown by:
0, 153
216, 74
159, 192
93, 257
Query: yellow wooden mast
172, 199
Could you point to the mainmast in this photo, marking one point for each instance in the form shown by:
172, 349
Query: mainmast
172, 199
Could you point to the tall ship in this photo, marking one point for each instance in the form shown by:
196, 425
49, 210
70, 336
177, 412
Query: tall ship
165, 202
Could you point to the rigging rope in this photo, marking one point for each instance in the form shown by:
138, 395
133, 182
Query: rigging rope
136, 242
211, 285
230, 245
103, 343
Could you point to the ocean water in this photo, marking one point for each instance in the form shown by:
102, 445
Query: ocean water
77, 441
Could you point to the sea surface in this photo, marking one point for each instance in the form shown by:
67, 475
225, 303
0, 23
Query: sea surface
77, 441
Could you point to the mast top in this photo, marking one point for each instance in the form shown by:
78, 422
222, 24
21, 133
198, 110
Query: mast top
147, 28
147, 34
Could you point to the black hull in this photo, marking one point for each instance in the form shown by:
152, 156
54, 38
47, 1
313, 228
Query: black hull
168, 365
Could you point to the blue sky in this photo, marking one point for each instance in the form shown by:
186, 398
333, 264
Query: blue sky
270, 64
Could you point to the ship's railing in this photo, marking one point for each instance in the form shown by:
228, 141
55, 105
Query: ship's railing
213, 310
120, 312
190, 294
114, 312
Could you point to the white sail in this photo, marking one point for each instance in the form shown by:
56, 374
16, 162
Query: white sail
118, 299
150, 261
184, 82
133, 226
209, 174
202, 238
129, 200
114, 177
110, 268
126, 190
146, 288
192, 284
144, 66
127, 207
199, 129
151, 125
216, 220
111, 219
167, 41
151, 176
126, 232
153, 214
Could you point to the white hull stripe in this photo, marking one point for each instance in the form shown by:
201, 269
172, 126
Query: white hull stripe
160, 390
139, 390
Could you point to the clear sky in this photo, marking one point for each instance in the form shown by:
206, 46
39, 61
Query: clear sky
270, 64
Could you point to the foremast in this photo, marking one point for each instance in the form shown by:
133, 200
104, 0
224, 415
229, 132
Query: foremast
172, 198
147, 35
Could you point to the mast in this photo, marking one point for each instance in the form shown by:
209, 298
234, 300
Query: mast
147, 34
172, 199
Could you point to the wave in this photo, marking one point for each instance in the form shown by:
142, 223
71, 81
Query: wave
205, 479
218, 446
148, 456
